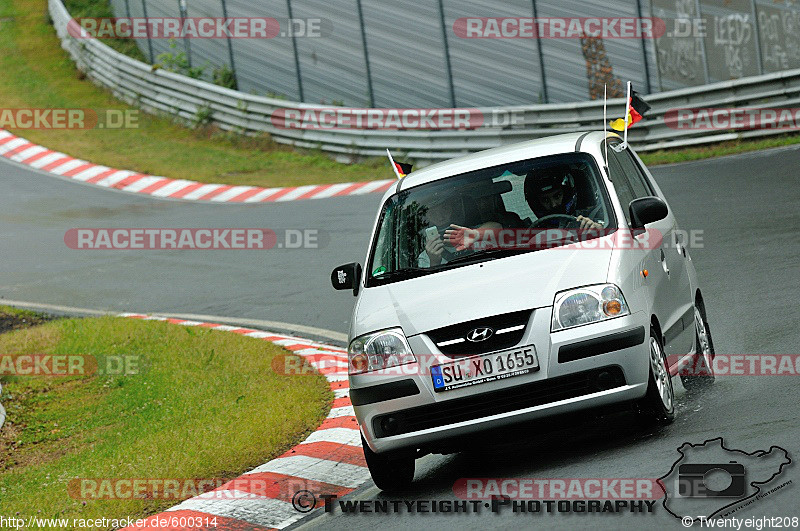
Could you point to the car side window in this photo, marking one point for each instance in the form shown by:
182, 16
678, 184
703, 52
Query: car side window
641, 175
633, 173
622, 184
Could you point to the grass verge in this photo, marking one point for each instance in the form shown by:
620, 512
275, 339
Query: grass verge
671, 156
37, 73
15, 319
197, 403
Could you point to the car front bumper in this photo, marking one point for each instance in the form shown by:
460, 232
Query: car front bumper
585, 367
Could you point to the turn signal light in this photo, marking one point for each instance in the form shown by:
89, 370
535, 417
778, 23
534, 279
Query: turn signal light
612, 307
359, 363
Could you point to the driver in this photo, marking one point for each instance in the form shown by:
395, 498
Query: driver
551, 191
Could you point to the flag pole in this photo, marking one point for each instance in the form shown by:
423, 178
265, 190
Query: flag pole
627, 115
605, 120
394, 166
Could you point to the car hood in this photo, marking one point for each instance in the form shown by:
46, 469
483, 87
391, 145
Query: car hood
497, 286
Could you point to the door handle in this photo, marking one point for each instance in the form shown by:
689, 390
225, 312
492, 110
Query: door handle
680, 247
664, 262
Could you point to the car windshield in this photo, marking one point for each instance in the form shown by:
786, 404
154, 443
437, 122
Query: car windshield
460, 219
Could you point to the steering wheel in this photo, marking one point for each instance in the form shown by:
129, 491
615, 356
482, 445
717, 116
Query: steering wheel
568, 220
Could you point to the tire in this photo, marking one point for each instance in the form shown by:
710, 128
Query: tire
658, 404
391, 471
701, 373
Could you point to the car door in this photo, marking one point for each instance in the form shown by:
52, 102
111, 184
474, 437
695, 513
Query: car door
667, 273
680, 335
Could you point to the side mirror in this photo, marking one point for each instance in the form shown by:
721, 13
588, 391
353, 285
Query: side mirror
646, 210
347, 276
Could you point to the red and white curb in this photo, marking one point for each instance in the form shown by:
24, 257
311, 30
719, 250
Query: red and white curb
330, 460
20, 150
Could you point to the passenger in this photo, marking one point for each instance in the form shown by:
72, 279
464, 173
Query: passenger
445, 219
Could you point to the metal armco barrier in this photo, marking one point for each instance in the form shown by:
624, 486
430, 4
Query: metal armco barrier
158, 91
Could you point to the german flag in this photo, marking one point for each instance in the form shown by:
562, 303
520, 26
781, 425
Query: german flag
401, 169
637, 107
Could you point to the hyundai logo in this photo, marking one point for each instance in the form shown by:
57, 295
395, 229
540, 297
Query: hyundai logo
480, 334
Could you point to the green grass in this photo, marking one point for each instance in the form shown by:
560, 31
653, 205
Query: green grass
102, 9
671, 156
37, 73
203, 404
14, 319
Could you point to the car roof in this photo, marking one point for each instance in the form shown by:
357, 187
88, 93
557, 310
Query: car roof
539, 147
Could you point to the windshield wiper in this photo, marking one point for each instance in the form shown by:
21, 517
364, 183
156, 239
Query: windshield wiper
487, 254
402, 274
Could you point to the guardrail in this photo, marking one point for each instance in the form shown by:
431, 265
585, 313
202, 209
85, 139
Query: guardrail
159, 91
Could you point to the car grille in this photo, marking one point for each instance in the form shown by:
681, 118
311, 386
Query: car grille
507, 331
497, 402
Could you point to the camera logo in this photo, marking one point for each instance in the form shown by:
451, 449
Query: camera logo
703, 480
710, 480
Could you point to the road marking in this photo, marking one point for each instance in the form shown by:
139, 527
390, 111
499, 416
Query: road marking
227, 195
349, 436
90, 173
46, 160
316, 469
61, 169
337, 412
28, 153
163, 187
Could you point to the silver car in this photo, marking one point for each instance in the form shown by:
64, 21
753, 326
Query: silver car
530, 280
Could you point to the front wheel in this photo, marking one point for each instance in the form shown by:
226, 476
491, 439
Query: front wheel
658, 404
701, 373
391, 471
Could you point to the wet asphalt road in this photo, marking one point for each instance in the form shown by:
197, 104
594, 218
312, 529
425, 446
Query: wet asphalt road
746, 207
746, 211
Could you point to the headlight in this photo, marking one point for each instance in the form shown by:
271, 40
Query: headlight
591, 304
379, 350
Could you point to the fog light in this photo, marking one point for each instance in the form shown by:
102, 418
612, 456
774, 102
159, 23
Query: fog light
605, 381
389, 425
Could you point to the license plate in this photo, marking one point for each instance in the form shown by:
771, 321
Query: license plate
486, 368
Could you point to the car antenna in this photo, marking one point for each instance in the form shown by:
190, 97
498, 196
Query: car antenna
605, 125
627, 117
